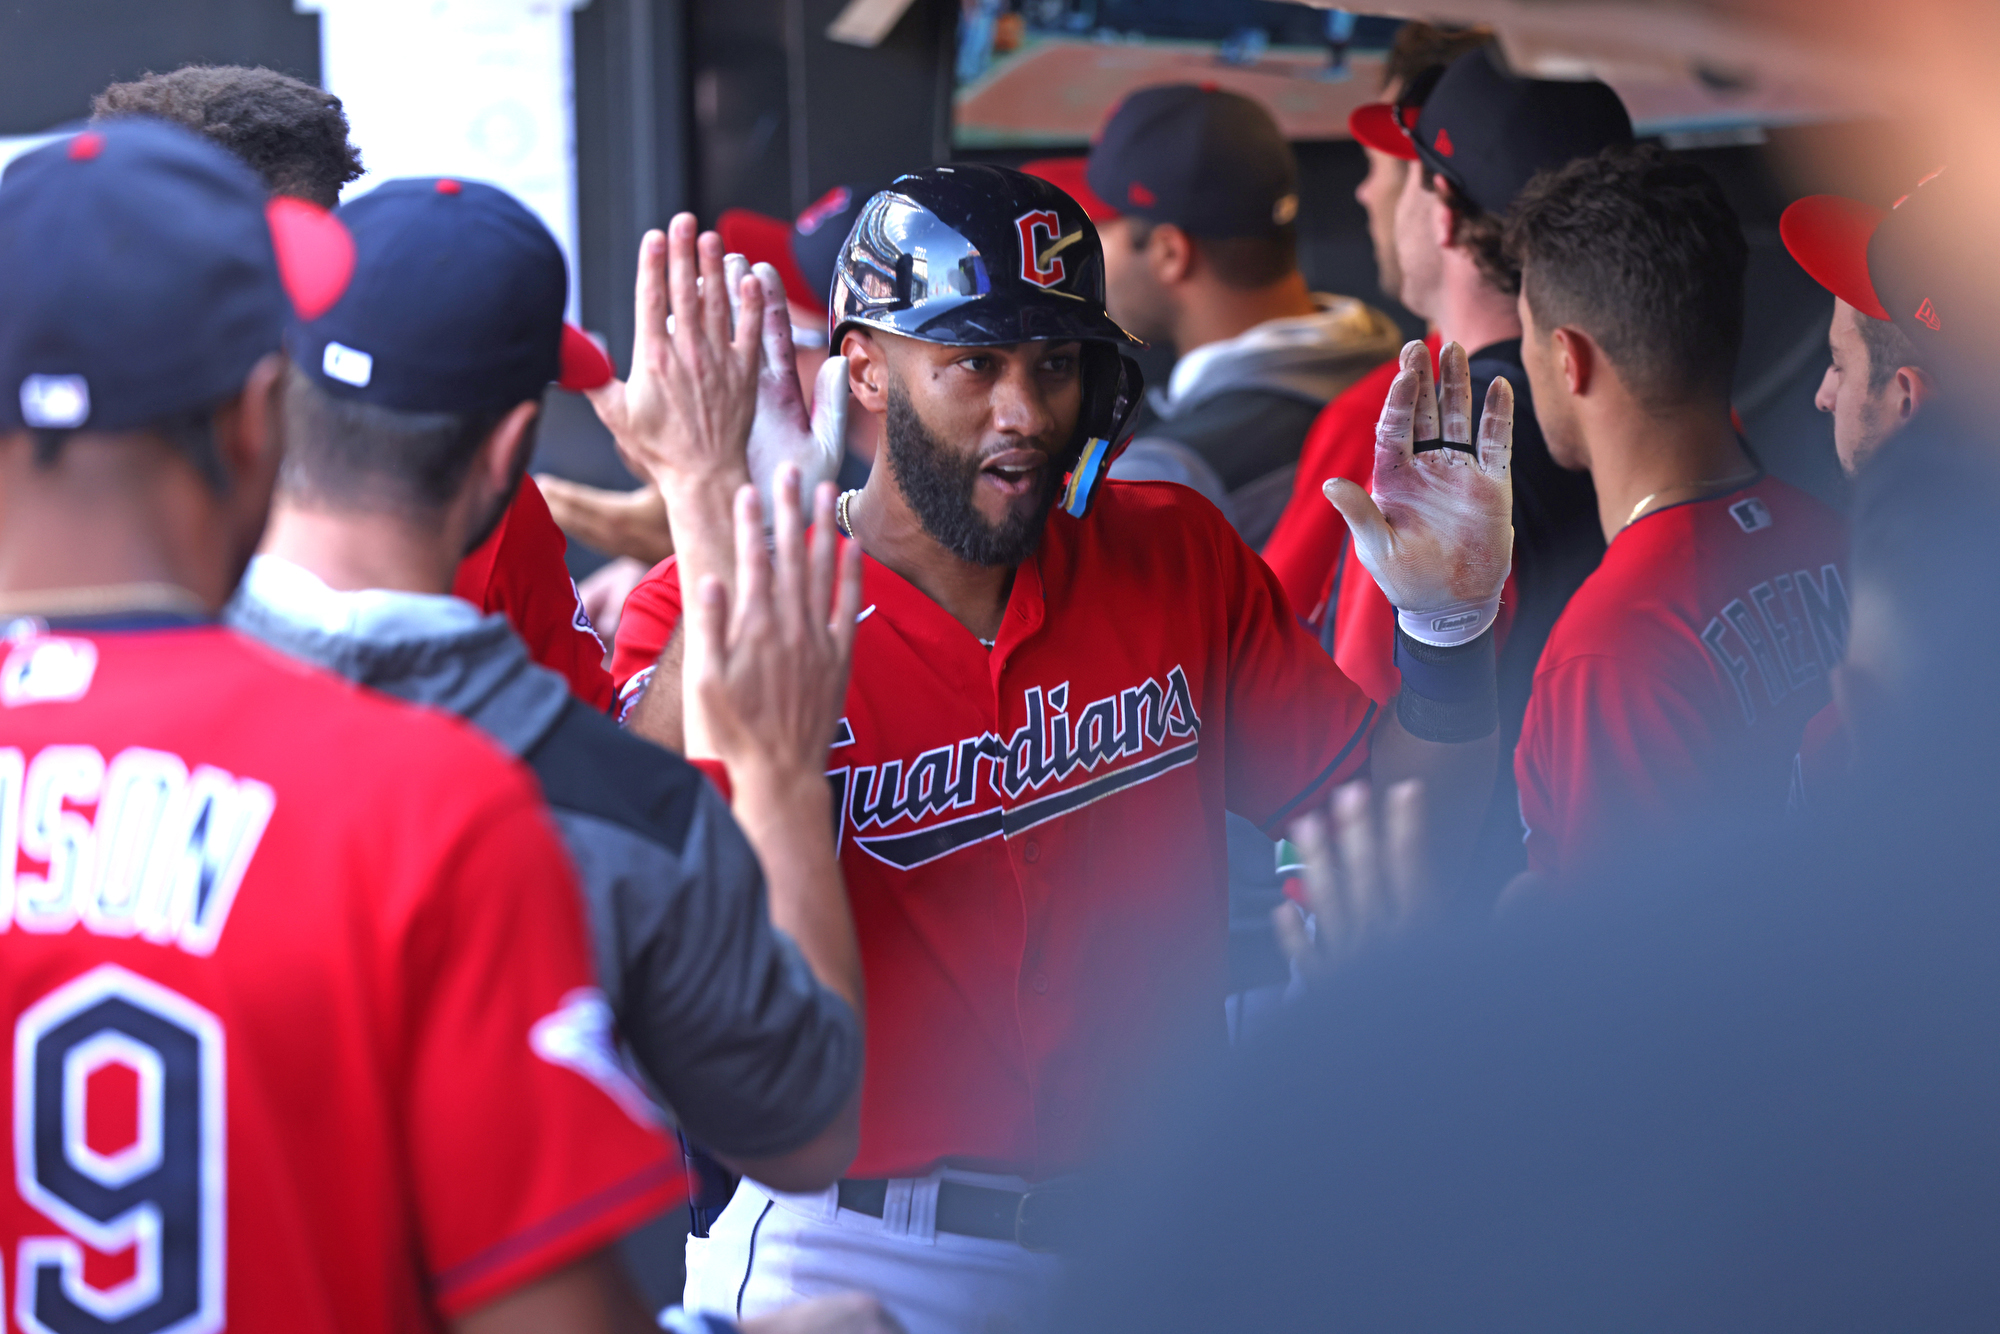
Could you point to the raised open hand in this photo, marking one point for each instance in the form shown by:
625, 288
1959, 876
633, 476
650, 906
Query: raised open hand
684, 414
1438, 533
785, 431
766, 678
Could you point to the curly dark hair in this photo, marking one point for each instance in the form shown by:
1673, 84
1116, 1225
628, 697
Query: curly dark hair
291, 133
1640, 250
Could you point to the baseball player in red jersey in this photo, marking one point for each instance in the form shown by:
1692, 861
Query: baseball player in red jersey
1060, 685
296, 1044
295, 137
1309, 535
1672, 693
1473, 134
519, 572
1888, 337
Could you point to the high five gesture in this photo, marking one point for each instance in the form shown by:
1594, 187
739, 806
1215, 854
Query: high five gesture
1437, 534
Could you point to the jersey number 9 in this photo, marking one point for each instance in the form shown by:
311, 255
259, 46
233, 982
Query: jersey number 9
161, 1192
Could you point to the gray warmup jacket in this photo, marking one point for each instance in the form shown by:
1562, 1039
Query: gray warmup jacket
720, 1011
1231, 418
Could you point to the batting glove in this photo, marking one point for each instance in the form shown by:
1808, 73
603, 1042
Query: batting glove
1437, 533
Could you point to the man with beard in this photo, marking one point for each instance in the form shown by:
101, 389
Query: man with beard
1060, 685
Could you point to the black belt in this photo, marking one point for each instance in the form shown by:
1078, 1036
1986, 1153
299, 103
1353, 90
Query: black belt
1037, 1219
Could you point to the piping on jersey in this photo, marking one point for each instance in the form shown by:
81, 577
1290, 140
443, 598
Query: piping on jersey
1048, 748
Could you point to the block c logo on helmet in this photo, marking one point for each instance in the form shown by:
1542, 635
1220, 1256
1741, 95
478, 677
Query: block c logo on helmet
1041, 263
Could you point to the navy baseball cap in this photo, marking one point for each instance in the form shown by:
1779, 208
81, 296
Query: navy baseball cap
804, 250
1069, 175
1900, 263
143, 272
456, 305
1211, 162
1489, 131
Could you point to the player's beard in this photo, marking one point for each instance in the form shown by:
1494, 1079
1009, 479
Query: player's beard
937, 483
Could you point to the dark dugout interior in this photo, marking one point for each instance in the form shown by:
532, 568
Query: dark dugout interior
711, 104
714, 104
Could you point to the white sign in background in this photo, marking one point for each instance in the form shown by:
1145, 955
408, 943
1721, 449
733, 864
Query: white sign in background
477, 89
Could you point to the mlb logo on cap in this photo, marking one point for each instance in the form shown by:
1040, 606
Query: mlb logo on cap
55, 402
456, 305
143, 272
348, 365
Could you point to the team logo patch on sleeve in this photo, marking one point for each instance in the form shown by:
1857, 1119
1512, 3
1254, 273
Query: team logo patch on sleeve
577, 1036
47, 671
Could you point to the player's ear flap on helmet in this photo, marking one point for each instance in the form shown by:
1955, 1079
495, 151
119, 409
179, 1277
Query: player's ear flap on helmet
1112, 386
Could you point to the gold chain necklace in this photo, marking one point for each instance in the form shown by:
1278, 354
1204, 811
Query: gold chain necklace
1698, 487
845, 522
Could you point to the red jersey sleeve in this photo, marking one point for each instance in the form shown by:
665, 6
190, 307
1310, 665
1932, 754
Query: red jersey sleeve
530, 1146
652, 612
519, 571
1608, 750
1296, 723
1303, 547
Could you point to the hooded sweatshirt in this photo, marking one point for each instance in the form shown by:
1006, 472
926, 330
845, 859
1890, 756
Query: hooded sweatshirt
1235, 413
721, 1013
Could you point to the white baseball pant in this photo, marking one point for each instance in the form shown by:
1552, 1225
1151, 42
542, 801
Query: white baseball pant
770, 1249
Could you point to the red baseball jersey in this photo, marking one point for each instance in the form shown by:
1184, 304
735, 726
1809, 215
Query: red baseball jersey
303, 1031
1679, 679
1032, 836
519, 571
1310, 533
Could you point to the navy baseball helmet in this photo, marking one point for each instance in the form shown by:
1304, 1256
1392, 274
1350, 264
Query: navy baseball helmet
984, 256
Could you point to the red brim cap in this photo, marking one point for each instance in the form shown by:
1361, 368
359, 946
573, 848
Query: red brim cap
584, 365
315, 254
1828, 235
762, 239
1374, 124
1067, 175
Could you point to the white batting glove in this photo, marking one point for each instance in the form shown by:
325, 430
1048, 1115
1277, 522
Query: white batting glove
1438, 533
783, 430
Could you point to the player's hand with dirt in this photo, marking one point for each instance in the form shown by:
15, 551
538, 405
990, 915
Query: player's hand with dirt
767, 676
786, 429
683, 415
1437, 533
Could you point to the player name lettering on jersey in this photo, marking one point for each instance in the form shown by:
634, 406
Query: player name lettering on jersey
160, 858
1789, 629
1049, 747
